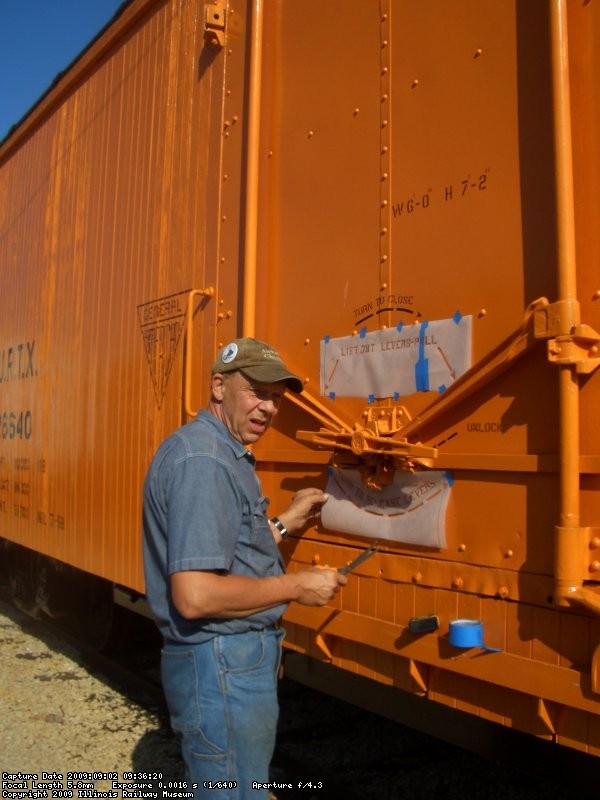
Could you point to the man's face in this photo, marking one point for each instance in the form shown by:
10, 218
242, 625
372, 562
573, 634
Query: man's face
245, 407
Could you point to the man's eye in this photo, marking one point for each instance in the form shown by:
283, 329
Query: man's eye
264, 397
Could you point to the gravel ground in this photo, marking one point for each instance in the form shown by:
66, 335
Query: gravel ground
59, 717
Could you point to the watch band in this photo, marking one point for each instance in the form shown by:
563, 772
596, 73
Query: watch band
280, 526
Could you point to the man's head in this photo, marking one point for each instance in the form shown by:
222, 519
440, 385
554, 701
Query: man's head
258, 361
248, 381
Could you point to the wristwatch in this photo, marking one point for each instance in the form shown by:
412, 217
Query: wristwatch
283, 531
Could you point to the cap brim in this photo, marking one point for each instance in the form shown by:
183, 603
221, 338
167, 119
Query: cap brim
272, 373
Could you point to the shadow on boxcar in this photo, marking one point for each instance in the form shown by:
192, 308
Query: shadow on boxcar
536, 151
207, 57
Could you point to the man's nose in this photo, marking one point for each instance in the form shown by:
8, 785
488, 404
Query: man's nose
268, 405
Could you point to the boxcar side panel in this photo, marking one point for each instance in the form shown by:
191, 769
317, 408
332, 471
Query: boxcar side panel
421, 187
113, 218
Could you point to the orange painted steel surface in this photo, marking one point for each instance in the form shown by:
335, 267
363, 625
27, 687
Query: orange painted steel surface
297, 172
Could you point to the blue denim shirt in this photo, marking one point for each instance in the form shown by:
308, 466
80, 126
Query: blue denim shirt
204, 510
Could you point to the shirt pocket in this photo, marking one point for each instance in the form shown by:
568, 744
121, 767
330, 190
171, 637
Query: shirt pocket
261, 530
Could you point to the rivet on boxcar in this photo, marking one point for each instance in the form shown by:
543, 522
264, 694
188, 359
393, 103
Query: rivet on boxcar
384, 18
384, 123
384, 71
310, 134
596, 295
234, 119
417, 577
595, 542
482, 312
223, 259
503, 592
478, 52
229, 314
224, 218
316, 558
383, 258
458, 583
220, 316
356, 112
384, 203
462, 548
383, 287
384, 43
307, 341
225, 176
384, 231
384, 177
384, 150
384, 98
595, 566
414, 84
270, 154
509, 553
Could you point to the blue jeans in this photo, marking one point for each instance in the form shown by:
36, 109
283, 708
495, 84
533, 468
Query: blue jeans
222, 698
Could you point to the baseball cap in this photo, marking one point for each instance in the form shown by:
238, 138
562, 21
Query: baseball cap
258, 360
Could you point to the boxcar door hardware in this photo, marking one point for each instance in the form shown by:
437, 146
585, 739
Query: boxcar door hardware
214, 23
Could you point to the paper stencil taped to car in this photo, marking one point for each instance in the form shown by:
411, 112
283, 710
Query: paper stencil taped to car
395, 362
412, 509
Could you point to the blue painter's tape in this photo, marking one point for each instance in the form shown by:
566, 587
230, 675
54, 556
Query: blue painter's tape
468, 633
326, 339
396, 395
332, 395
442, 388
371, 398
449, 478
457, 317
363, 332
422, 365
399, 327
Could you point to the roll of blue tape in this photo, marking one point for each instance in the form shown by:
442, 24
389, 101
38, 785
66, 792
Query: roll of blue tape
468, 633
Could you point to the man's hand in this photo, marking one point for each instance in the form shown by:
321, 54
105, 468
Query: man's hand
317, 585
306, 506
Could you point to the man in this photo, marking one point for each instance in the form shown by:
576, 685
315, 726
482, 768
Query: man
215, 579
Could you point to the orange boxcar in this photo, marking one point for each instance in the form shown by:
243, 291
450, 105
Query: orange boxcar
404, 198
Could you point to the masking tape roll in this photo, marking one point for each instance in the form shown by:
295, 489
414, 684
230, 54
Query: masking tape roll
468, 633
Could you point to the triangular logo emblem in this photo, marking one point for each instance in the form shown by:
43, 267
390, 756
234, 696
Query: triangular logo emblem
161, 323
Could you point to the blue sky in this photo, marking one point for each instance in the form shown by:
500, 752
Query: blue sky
38, 39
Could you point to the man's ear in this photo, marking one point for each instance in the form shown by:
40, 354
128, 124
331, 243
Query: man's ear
217, 386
